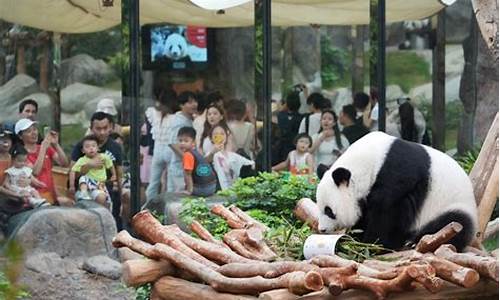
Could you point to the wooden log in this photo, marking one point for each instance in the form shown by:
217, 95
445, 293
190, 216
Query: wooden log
205, 235
281, 294
381, 288
137, 272
483, 167
475, 251
452, 272
211, 251
485, 266
485, 289
154, 295
430, 242
265, 269
147, 226
296, 282
325, 261
171, 288
125, 254
124, 239
239, 241
232, 220
488, 200
307, 211
247, 219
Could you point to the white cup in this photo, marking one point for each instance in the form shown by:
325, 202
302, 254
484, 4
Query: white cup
321, 244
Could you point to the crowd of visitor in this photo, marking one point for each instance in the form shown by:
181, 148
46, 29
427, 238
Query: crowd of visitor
192, 144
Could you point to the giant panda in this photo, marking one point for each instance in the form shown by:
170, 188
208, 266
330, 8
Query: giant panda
395, 192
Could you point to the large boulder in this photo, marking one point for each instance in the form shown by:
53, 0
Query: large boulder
79, 102
423, 93
12, 92
69, 232
84, 68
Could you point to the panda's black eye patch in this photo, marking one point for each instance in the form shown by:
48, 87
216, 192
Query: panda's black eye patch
329, 213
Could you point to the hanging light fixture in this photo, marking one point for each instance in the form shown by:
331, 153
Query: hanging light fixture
107, 3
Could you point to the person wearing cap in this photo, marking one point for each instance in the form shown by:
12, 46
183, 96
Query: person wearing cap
41, 156
107, 105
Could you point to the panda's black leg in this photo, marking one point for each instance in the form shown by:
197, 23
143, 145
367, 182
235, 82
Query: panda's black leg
378, 227
462, 239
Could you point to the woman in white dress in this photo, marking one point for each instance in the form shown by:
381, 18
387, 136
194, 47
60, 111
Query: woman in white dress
328, 143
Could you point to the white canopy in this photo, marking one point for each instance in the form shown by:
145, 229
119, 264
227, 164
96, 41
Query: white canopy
78, 16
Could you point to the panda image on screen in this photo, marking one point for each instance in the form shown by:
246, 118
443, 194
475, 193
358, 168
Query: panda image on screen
168, 43
395, 192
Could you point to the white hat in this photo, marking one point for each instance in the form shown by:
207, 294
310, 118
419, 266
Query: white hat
23, 124
107, 105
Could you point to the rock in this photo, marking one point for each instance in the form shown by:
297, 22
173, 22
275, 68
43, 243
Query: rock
423, 93
12, 92
84, 68
51, 263
79, 102
69, 232
104, 266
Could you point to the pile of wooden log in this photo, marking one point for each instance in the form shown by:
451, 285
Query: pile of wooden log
242, 266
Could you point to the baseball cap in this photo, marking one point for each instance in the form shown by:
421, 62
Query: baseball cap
23, 124
107, 105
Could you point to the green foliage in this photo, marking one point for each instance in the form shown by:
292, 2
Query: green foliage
275, 193
143, 292
335, 63
99, 45
349, 248
407, 70
467, 160
10, 272
120, 59
196, 209
287, 239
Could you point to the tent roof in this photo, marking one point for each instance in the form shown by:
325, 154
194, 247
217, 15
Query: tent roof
78, 16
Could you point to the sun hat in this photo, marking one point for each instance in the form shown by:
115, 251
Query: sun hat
107, 105
23, 124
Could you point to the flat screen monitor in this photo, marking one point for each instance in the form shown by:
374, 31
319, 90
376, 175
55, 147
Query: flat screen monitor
175, 47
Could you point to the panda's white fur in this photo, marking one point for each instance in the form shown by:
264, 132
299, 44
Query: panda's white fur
176, 46
449, 187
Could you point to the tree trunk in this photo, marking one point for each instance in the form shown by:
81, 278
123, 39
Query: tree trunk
357, 63
487, 18
44, 67
21, 59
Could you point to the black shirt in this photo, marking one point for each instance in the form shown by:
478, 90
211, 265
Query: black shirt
111, 148
355, 132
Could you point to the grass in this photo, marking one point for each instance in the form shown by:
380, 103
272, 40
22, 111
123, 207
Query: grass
403, 68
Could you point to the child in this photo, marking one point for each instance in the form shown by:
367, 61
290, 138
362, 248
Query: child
199, 176
93, 182
299, 161
19, 179
227, 164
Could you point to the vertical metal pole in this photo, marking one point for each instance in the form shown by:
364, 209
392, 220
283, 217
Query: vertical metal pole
438, 84
134, 28
381, 65
266, 83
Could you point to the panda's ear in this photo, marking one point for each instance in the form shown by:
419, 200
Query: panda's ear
340, 176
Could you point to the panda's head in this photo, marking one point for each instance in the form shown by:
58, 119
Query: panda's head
176, 46
335, 200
